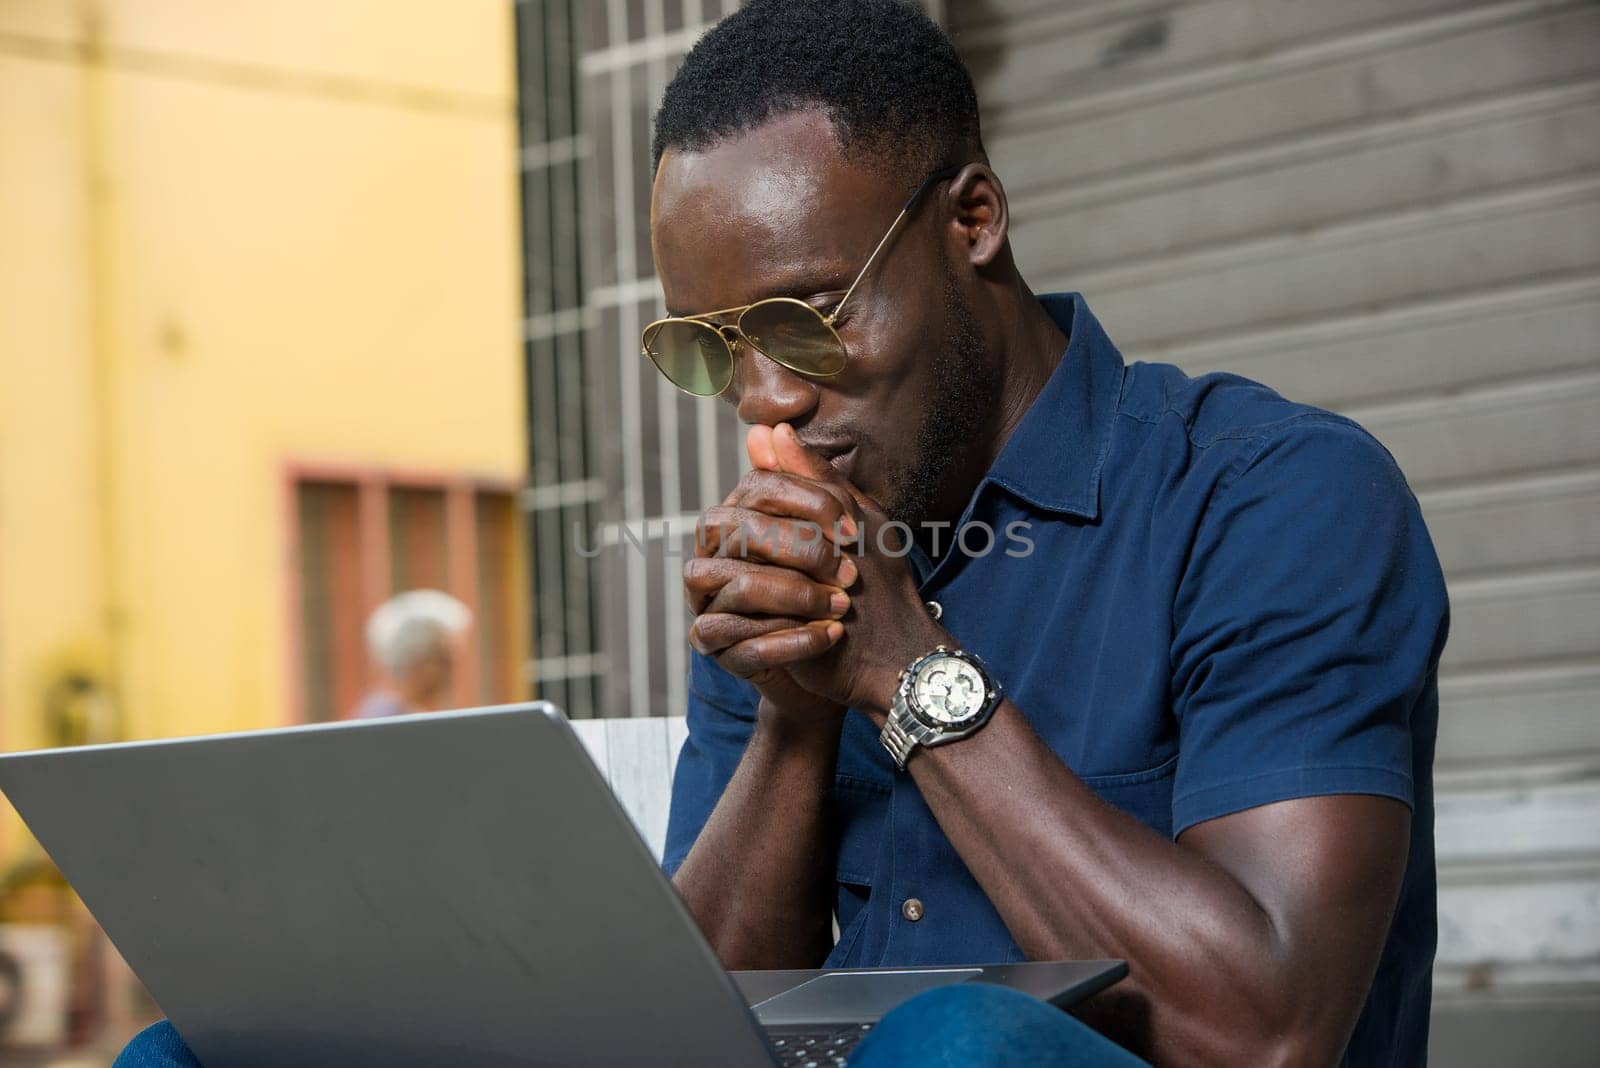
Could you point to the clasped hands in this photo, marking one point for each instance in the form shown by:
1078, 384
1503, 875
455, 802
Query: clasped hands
792, 587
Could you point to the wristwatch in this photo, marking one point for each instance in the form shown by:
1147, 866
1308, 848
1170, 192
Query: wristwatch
942, 697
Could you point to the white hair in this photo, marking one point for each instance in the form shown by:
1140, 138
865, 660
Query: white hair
412, 625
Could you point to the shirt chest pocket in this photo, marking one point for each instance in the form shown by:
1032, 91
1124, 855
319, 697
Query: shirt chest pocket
1145, 795
861, 812
862, 784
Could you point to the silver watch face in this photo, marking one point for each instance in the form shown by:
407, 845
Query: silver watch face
948, 690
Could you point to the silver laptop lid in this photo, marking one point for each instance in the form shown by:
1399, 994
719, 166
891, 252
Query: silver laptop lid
450, 888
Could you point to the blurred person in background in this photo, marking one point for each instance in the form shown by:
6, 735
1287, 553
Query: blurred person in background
414, 638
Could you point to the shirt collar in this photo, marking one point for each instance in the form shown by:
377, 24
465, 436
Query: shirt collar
1054, 456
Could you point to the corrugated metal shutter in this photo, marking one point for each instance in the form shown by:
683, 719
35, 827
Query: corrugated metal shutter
1391, 209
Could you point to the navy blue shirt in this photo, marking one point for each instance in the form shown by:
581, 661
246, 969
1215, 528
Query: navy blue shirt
1226, 600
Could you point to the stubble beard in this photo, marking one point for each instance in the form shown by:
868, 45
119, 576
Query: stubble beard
963, 395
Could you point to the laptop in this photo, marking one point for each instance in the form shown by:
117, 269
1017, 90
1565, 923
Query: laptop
453, 888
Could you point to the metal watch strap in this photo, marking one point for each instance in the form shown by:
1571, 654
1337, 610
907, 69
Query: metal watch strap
897, 741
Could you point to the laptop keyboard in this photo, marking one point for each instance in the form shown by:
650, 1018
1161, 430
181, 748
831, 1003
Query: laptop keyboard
823, 1047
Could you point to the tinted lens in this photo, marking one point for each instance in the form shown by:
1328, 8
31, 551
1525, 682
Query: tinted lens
794, 334
692, 355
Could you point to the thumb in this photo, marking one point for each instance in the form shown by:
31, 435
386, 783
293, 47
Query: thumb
795, 458
758, 443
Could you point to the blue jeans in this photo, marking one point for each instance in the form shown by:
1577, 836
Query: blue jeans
973, 1025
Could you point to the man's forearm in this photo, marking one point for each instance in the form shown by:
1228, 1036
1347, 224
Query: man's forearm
759, 879
1074, 878
1230, 961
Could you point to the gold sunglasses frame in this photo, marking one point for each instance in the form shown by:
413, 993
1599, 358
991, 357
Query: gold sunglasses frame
721, 330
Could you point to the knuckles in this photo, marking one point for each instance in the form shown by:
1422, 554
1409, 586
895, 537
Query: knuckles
702, 577
740, 534
816, 555
714, 631
761, 490
716, 584
793, 495
742, 587
749, 657
697, 570
707, 633
713, 522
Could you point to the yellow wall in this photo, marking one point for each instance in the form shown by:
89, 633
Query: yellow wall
233, 235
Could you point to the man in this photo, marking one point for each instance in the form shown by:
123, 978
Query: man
414, 638
1195, 729
1185, 708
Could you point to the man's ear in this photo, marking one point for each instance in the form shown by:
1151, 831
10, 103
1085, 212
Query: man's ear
979, 215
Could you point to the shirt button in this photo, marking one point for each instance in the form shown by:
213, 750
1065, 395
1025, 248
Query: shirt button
935, 609
912, 909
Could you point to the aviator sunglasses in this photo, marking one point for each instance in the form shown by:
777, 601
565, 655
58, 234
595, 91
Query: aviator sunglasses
696, 354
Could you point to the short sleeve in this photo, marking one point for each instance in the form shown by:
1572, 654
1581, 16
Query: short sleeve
1307, 629
721, 715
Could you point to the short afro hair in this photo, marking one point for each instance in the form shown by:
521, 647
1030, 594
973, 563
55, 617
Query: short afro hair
887, 77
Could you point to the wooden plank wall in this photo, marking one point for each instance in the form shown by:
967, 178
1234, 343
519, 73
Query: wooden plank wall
1390, 208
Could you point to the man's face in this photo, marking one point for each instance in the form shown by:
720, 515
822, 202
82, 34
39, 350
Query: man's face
779, 211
